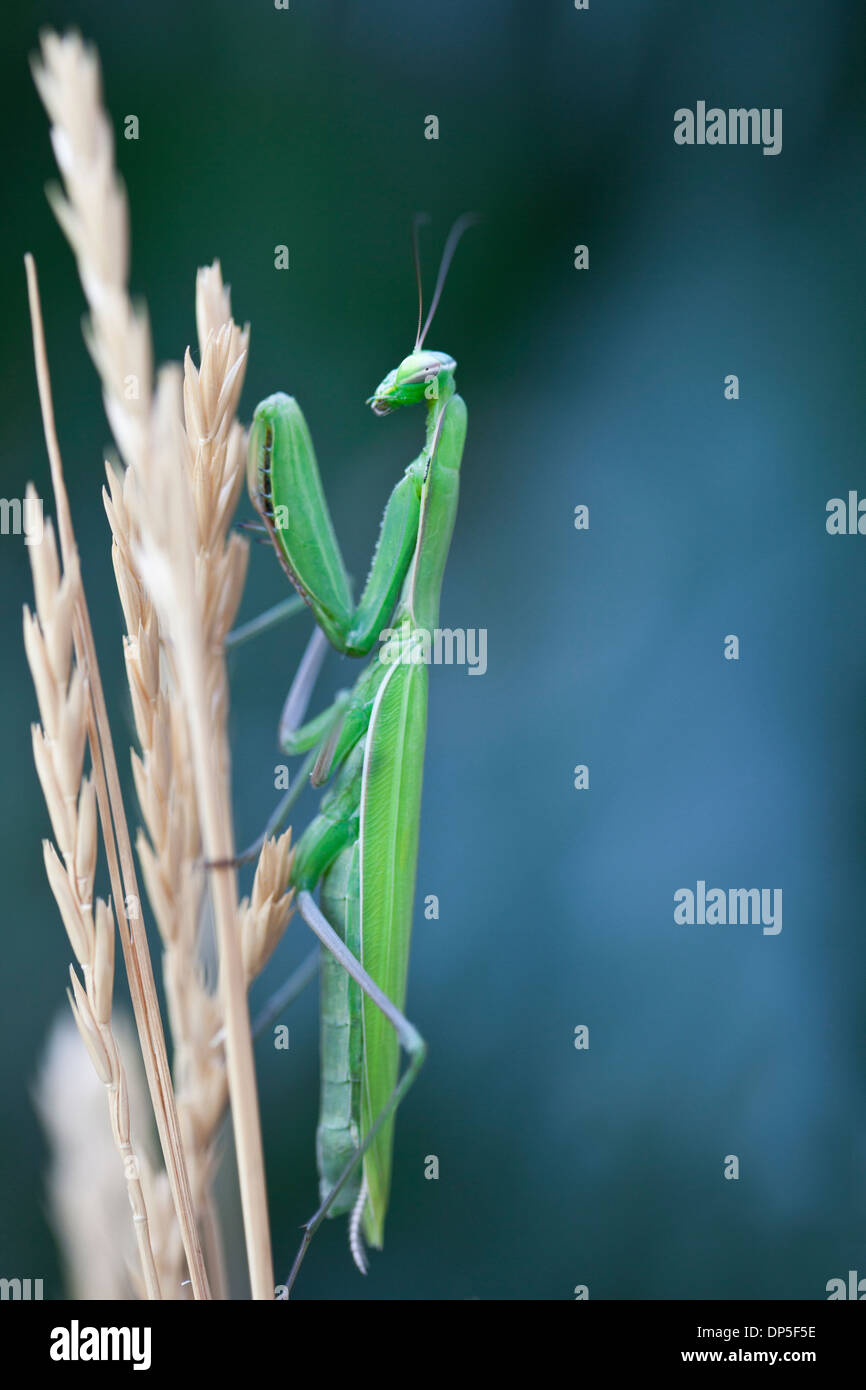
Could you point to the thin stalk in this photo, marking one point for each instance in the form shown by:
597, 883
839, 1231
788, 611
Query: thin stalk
218, 845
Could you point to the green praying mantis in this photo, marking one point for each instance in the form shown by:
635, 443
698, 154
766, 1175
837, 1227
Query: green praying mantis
361, 849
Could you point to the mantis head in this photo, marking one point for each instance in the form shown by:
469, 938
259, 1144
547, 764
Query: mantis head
410, 382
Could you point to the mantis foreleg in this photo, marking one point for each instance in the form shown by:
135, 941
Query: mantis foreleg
286, 489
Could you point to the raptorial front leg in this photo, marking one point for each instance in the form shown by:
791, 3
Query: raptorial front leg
286, 490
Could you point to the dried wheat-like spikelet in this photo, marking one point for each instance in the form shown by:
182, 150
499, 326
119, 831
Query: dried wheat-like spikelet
170, 858
95, 218
212, 460
58, 748
170, 853
264, 916
215, 458
167, 493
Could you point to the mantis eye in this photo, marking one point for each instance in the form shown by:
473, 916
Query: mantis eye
410, 373
420, 367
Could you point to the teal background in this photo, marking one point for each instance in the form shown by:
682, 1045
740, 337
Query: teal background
604, 387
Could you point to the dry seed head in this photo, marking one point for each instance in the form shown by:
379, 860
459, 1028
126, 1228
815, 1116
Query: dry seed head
60, 812
159, 889
142, 709
76, 917
68, 81
148, 656
86, 1023
94, 216
57, 629
127, 585
113, 501
44, 564
103, 962
86, 841
93, 212
213, 301
120, 1119
47, 694
71, 739
265, 916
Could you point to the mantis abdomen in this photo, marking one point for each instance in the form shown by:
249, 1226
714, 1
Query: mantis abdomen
338, 1133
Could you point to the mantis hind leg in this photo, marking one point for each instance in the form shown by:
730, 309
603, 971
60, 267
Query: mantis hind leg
410, 1040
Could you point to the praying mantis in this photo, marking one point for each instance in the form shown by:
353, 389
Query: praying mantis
361, 849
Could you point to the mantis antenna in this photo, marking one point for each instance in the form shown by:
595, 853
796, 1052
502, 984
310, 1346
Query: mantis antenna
468, 219
419, 220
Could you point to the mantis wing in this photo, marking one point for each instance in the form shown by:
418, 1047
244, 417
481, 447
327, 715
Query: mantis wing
390, 813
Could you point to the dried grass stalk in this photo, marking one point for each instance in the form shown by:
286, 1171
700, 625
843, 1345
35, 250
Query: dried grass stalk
170, 853
58, 747
95, 218
94, 215
112, 818
190, 611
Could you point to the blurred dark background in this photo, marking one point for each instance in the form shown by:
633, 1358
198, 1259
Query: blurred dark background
306, 127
